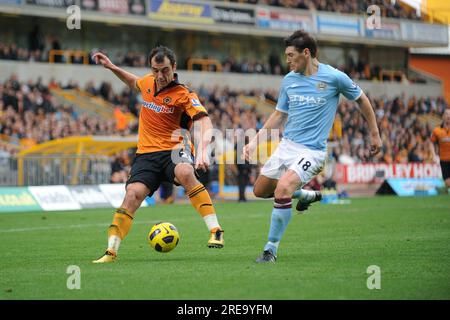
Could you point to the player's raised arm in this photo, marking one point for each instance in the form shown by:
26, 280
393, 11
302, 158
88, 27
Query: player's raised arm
128, 78
369, 115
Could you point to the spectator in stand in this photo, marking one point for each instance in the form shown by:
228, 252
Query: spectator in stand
35, 43
120, 167
275, 63
55, 45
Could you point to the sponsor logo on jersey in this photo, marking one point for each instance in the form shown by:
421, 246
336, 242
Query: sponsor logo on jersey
156, 108
301, 100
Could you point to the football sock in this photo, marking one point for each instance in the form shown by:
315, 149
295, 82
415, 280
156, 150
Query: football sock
305, 195
119, 228
281, 215
201, 201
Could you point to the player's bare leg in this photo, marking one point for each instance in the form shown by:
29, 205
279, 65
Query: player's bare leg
201, 201
264, 187
281, 214
122, 220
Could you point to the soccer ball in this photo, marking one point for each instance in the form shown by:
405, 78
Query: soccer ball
163, 237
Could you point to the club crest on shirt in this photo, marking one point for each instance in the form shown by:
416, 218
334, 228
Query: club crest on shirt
167, 100
196, 103
321, 86
149, 90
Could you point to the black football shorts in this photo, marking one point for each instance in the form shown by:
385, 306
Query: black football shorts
155, 167
445, 167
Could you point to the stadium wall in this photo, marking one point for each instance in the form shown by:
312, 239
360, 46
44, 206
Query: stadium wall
437, 65
85, 73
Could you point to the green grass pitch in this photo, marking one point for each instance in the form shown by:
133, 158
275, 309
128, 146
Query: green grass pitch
325, 253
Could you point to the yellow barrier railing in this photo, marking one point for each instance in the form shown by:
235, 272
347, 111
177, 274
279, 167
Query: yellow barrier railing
68, 54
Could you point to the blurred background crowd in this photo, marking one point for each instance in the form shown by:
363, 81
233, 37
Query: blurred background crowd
30, 114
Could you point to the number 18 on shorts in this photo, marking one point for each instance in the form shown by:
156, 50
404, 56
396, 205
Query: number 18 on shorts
305, 162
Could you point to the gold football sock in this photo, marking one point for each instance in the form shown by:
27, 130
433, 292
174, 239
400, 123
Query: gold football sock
201, 201
119, 228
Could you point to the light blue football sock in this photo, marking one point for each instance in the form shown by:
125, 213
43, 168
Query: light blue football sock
281, 215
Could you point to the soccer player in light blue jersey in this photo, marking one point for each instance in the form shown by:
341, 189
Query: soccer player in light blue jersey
307, 103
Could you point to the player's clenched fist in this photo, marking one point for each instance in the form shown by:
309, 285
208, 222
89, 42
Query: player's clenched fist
202, 161
375, 143
102, 59
248, 150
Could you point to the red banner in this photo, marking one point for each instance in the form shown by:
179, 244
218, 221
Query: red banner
378, 172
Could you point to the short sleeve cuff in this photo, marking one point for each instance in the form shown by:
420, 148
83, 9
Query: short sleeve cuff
281, 110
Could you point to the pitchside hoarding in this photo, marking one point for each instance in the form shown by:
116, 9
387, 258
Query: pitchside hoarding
378, 172
14, 199
55, 198
89, 196
52, 198
115, 193
413, 187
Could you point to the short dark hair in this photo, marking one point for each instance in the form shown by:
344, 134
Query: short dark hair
301, 39
159, 53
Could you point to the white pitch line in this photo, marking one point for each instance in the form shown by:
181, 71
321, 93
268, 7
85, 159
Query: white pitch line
150, 222
52, 227
66, 227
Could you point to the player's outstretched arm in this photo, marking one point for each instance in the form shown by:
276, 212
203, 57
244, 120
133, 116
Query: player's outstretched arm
128, 78
369, 115
275, 121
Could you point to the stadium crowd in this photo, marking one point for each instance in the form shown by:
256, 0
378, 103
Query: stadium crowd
404, 126
134, 59
30, 114
355, 69
388, 8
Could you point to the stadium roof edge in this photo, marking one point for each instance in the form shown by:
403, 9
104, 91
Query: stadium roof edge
247, 30
443, 51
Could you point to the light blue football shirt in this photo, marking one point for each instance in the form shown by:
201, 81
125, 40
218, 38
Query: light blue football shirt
311, 103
